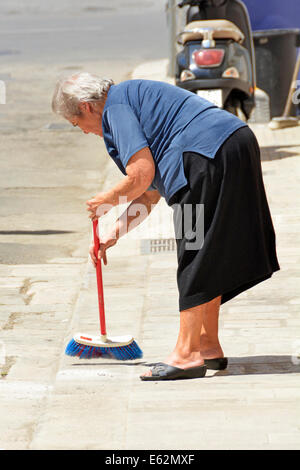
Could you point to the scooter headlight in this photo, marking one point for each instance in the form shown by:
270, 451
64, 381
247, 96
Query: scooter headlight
187, 75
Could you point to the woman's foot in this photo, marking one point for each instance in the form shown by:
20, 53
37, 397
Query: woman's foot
181, 360
213, 356
197, 338
162, 371
212, 353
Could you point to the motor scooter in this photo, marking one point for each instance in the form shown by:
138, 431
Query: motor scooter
217, 58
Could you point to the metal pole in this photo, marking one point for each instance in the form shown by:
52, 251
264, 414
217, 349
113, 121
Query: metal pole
171, 20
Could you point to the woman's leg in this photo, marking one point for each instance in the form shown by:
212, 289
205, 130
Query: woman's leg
209, 338
198, 336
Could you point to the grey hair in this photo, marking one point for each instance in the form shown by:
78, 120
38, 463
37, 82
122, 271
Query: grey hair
80, 87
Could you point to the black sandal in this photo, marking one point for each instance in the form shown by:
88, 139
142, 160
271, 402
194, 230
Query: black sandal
219, 363
162, 371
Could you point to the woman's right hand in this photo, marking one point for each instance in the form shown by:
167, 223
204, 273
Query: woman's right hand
106, 242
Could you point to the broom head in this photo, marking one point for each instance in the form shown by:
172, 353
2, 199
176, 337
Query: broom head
118, 347
283, 122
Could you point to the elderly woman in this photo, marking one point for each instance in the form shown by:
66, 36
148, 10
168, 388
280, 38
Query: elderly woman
171, 143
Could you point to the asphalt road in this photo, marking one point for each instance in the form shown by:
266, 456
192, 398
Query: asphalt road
56, 31
48, 169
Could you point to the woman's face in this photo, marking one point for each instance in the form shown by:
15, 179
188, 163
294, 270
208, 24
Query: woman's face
89, 121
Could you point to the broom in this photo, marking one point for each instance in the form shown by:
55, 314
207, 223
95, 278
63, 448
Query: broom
87, 346
286, 120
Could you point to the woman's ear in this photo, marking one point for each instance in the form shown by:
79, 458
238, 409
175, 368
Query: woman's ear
85, 107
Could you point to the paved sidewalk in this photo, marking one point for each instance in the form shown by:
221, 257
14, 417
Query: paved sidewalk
52, 401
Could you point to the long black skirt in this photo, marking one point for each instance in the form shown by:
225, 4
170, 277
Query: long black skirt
224, 231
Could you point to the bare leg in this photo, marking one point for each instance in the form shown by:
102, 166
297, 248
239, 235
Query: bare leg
198, 336
209, 338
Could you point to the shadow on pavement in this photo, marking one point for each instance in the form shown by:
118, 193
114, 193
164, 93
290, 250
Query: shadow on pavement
247, 365
255, 365
34, 232
278, 152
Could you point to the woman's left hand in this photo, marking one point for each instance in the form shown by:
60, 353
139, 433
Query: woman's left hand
98, 206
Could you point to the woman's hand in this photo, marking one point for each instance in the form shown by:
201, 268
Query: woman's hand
98, 206
106, 243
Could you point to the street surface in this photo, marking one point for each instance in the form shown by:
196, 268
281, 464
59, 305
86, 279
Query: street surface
48, 169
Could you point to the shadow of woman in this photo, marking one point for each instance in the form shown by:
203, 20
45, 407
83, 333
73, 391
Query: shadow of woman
256, 365
247, 365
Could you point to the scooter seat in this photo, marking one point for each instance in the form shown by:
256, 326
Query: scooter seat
210, 29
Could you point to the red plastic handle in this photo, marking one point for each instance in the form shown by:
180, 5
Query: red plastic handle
99, 279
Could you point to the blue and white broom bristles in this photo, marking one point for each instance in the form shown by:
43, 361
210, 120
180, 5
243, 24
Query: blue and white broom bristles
123, 353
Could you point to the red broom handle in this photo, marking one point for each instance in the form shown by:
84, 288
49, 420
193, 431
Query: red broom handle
99, 280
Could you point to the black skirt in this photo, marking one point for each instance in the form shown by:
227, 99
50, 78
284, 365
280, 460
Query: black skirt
224, 231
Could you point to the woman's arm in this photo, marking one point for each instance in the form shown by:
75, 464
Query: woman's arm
135, 213
140, 173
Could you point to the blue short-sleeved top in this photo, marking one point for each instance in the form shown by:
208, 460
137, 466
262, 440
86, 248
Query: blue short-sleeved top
167, 119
